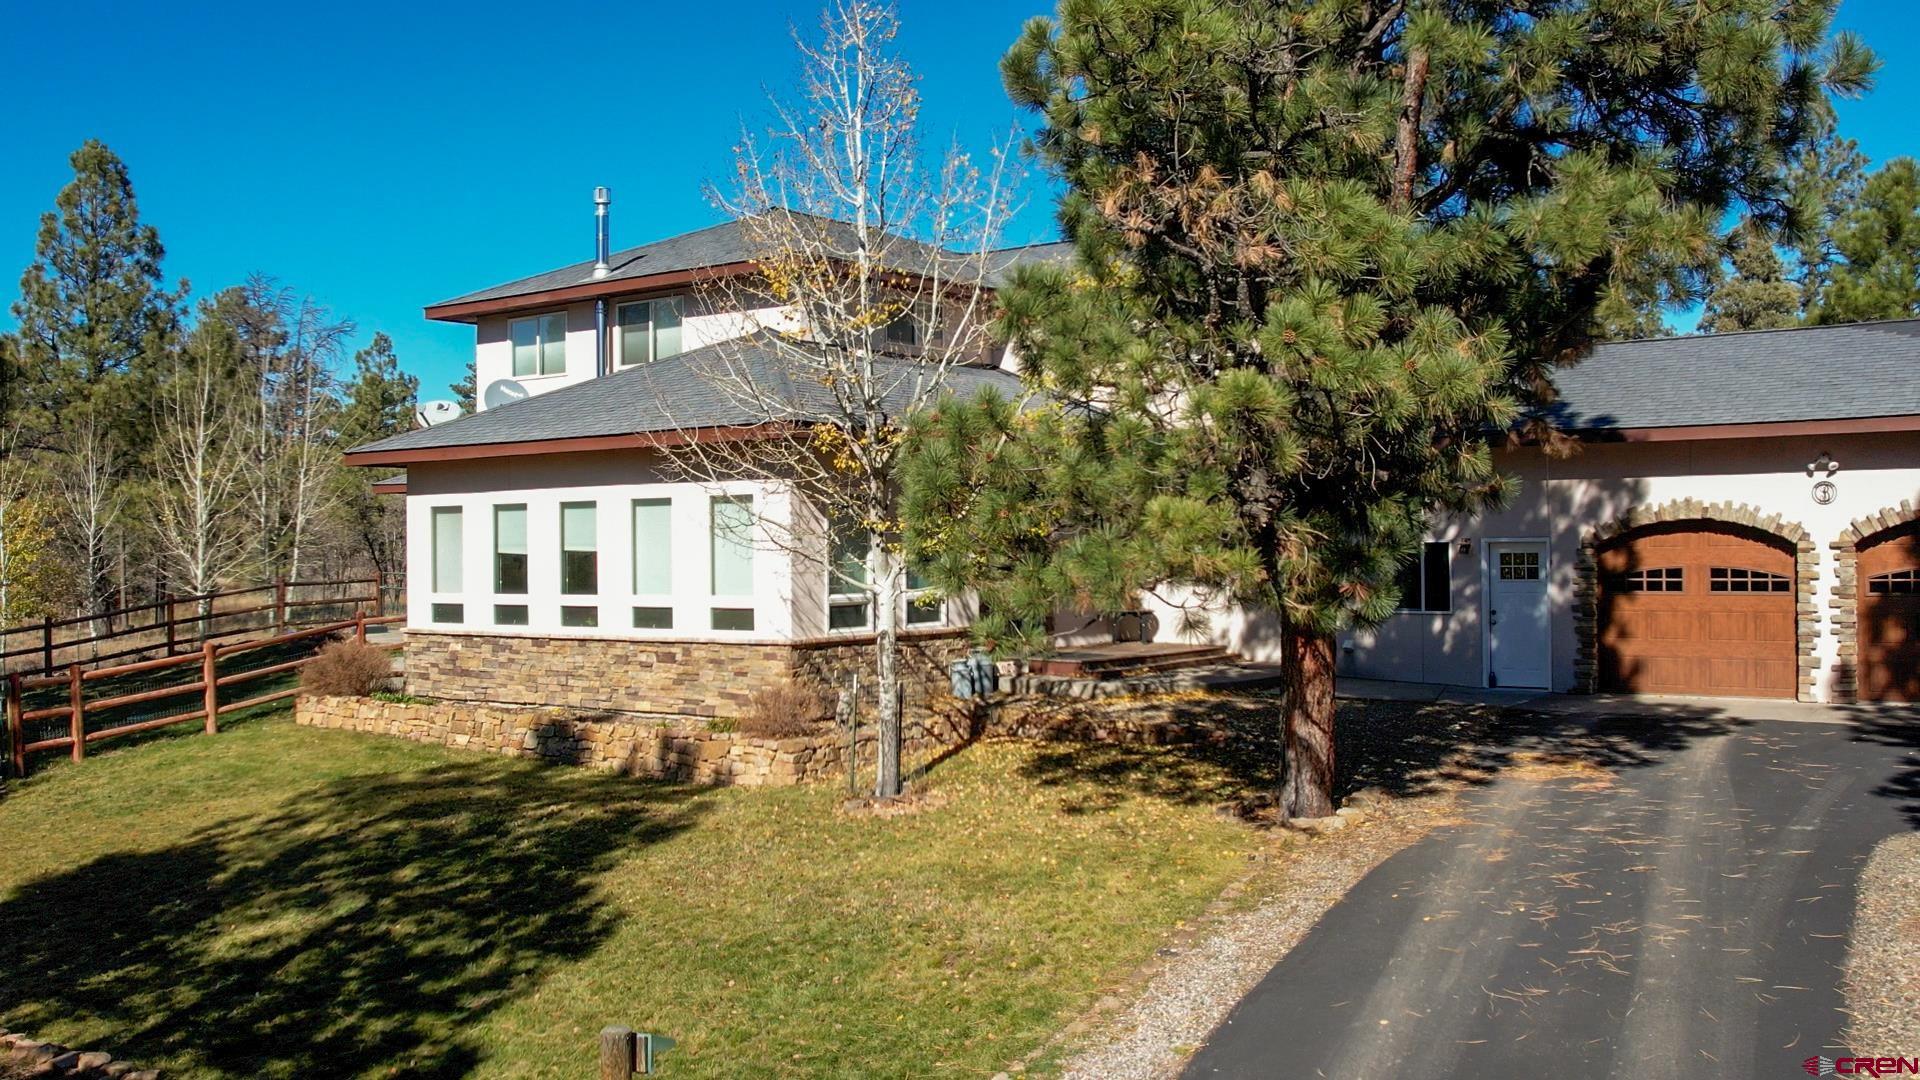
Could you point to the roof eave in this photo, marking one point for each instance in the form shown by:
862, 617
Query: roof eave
1766, 429
467, 311
579, 444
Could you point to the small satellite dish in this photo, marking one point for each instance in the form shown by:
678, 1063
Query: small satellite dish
437, 412
503, 392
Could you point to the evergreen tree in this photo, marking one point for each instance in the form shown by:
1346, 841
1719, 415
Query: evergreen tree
463, 391
381, 401
1756, 295
1325, 247
1877, 241
1822, 185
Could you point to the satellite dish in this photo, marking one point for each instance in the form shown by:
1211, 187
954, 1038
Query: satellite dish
437, 412
503, 392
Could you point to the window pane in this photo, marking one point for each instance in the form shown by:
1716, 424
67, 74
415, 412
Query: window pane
509, 549
733, 618
1407, 583
925, 610
553, 344
579, 616
1438, 594
446, 549
847, 616
732, 530
666, 328
579, 559
448, 613
510, 614
636, 333
653, 618
652, 546
849, 573
526, 346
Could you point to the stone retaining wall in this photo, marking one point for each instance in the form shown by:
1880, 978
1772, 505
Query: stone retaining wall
663, 747
32, 1057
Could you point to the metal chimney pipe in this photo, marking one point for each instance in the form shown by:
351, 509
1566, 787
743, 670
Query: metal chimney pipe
602, 198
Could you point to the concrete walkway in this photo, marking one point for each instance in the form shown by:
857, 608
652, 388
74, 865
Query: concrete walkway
1677, 906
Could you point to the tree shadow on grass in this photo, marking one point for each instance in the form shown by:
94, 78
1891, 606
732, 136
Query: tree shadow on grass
363, 926
1405, 749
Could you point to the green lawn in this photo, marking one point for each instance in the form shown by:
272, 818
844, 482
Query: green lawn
278, 901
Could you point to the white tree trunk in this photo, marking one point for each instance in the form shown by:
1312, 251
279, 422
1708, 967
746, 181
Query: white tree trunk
886, 575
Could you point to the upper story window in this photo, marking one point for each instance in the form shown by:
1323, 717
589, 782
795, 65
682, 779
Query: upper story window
539, 344
904, 329
649, 330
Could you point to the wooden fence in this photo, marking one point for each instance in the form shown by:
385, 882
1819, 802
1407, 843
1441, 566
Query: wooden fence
77, 707
203, 620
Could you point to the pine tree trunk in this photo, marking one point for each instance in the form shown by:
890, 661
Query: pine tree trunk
1307, 791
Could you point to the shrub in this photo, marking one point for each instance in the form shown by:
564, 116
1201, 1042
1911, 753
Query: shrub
347, 669
782, 711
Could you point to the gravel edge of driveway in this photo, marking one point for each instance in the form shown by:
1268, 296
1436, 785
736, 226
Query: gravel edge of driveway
1149, 1034
1883, 955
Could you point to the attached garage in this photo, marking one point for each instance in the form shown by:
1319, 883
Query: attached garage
1697, 607
1889, 589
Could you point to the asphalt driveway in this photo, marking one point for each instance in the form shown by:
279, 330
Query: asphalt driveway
1675, 905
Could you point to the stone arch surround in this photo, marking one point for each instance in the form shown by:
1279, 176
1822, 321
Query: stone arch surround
1586, 590
1843, 607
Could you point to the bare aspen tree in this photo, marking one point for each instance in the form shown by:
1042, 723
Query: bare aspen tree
871, 289
200, 520
90, 489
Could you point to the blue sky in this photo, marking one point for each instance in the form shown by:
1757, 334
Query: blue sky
382, 157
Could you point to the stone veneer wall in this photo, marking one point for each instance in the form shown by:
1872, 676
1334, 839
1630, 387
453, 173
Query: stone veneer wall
659, 747
1586, 591
701, 679
1844, 605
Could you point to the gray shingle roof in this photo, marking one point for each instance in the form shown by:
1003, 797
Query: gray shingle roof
1055, 252
1767, 376
716, 245
680, 393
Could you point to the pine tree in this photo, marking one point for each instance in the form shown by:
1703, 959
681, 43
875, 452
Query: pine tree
381, 401
464, 390
95, 319
1756, 295
1325, 247
1877, 241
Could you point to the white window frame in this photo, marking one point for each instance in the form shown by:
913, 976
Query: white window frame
638, 598
541, 341
653, 331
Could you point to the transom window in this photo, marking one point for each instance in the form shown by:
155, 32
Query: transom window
1658, 579
539, 344
649, 330
1897, 583
1737, 579
1519, 566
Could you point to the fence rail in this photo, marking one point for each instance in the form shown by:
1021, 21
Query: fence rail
204, 620
77, 707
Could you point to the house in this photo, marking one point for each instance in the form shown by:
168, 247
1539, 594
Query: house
553, 556
1739, 519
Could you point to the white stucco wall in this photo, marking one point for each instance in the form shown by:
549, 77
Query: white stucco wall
1557, 502
701, 324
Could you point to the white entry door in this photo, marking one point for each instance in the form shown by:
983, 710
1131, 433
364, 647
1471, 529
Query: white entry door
1517, 625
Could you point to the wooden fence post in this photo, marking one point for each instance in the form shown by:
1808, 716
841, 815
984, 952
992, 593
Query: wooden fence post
280, 606
360, 627
211, 677
16, 727
77, 699
46, 645
379, 593
616, 1053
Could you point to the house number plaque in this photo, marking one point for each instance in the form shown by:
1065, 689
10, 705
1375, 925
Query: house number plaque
1824, 492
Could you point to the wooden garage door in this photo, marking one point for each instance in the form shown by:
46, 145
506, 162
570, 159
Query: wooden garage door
1697, 609
1889, 586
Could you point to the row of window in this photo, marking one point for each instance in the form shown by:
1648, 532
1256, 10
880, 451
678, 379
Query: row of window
730, 562
1720, 579
1895, 583
644, 331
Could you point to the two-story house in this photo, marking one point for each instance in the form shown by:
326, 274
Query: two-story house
1739, 520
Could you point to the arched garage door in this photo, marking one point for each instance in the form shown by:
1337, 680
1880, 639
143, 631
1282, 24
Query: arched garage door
1889, 588
1697, 608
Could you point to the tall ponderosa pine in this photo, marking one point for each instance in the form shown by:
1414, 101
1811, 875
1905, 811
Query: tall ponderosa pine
1876, 239
1756, 294
381, 401
1327, 246
95, 321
